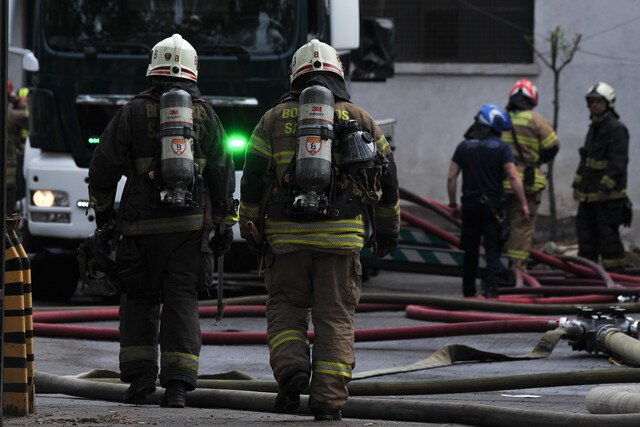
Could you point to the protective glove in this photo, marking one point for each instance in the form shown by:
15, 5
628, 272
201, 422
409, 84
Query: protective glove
253, 245
253, 238
221, 243
386, 244
105, 218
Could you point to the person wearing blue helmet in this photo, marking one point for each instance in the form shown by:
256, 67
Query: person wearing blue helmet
484, 160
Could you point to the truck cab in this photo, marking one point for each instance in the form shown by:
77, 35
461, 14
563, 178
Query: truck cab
93, 57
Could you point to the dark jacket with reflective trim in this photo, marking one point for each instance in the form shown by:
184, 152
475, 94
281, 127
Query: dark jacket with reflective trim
603, 160
127, 147
270, 152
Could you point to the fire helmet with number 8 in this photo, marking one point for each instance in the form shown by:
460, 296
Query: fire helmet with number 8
315, 56
173, 57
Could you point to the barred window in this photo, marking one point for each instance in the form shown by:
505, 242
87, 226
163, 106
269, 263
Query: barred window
480, 31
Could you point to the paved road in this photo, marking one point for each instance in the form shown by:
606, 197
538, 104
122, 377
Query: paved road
73, 356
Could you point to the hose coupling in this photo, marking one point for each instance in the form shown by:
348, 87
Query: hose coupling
601, 336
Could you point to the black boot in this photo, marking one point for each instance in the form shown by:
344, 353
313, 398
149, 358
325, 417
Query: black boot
288, 398
175, 394
327, 414
141, 386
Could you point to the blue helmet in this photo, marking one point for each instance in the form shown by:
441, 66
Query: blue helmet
494, 116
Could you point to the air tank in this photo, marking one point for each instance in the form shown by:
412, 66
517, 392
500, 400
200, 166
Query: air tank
313, 159
176, 139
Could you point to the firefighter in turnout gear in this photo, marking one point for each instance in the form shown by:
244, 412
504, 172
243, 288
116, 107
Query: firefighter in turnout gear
165, 255
312, 193
600, 182
533, 142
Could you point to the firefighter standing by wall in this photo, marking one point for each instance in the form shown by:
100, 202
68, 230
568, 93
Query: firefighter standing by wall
484, 160
312, 258
17, 123
165, 248
533, 142
600, 182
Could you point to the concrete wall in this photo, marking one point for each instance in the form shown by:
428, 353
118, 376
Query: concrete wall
434, 103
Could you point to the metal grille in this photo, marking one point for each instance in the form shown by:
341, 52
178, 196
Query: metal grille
458, 30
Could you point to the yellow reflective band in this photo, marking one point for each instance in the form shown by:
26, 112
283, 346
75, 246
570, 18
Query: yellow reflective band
388, 211
517, 254
137, 353
596, 164
283, 156
332, 368
288, 335
608, 263
577, 179
593, 197
382, 143
249, 209
259, 145
180, 360
608, 182
549, 140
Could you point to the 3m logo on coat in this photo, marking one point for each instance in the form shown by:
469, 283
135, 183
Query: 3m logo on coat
314, 144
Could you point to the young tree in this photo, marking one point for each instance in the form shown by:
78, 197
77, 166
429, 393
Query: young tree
561, 54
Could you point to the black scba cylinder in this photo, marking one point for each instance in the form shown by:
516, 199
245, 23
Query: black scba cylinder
176, 140
313, 160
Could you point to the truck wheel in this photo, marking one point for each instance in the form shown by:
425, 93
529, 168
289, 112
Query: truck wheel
54, 277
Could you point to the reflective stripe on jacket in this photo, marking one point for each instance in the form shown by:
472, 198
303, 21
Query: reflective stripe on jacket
271, 150
535, 136
129, 144
603, 161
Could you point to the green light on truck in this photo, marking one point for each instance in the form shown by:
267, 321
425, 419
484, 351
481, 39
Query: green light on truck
93, 140
237, 142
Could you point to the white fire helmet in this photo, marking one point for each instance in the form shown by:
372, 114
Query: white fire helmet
315, 56
602, 90
174, 57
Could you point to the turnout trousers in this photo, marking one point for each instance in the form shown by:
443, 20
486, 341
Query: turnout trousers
518, 247
479, 222
597, 226
172, 263
325, 288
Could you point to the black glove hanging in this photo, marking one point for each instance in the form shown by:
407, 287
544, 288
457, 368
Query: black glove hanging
221, 243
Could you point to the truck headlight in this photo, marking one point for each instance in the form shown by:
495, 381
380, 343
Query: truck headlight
49, 198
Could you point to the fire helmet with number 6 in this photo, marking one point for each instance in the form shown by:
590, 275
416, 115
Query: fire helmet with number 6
174, 57
315, 56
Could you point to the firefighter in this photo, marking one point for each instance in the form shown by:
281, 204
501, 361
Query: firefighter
17, 126
600, 182
484, 160
314, 237
164, 255
533, 143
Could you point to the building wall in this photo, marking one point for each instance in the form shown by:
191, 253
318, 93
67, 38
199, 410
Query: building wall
434, 104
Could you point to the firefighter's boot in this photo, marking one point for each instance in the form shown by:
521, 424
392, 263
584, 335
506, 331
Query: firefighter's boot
141, 387
175, 395
288, 398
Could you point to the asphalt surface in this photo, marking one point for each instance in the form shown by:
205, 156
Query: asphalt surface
71, 357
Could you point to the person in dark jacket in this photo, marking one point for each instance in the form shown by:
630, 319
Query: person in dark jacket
600, 182
164, 257
484, 160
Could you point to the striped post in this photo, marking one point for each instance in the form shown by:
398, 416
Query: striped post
28, 312
15, 399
